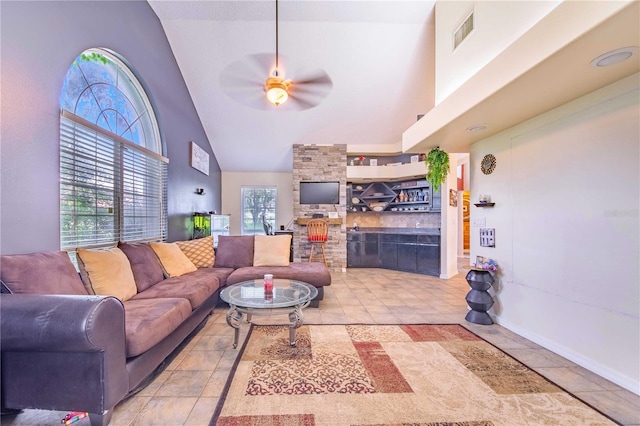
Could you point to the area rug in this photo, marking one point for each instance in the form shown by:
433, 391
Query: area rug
378, 375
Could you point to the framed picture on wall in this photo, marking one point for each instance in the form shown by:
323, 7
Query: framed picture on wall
199, 159
453, 198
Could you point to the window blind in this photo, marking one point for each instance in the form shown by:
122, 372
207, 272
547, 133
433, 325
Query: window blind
110, 189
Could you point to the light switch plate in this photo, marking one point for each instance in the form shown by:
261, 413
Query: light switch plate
479, 222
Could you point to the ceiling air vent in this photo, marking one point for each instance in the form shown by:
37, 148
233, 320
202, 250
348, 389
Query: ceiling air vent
463, 31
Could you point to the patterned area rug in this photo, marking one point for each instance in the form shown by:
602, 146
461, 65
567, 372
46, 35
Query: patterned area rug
387, 375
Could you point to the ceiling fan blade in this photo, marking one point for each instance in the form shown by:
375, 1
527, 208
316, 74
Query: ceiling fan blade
316, 77
244, 81
310, 89
300, 103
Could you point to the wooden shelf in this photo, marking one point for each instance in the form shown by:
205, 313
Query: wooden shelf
331, 221
485, 204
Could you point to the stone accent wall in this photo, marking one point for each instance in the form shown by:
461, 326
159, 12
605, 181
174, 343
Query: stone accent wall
321, 163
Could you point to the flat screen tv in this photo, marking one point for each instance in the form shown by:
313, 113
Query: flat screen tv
319, 192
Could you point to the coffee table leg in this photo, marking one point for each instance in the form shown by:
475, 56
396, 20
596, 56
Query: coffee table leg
295, 318
234, 316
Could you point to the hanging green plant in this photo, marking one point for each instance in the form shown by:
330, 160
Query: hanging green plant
437, 163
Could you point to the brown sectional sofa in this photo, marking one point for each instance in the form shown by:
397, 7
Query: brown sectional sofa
64, 348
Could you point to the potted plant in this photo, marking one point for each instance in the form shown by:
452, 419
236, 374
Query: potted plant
437, 163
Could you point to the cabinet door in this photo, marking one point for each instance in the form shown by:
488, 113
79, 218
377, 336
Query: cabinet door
388, 255
407, 257
353, 253
369, 255
428, 259
369, 250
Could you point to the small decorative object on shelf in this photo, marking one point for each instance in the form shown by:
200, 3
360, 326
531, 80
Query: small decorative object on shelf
361, 160
484, 201
485, 264
480, 280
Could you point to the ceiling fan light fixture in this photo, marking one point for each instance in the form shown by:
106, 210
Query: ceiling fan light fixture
277, 90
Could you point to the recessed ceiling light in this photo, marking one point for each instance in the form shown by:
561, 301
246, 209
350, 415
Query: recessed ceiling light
476, 128
614, 56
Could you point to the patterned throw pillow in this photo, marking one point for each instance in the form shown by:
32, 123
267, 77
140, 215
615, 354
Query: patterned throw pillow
199, 251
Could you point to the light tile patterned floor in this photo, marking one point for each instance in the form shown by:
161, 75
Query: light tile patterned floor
186, 393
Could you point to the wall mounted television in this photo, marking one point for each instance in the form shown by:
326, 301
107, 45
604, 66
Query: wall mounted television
319, 192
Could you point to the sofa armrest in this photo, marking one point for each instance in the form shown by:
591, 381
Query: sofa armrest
60, 323
49, 341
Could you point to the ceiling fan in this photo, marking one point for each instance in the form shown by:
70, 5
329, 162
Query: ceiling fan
244, 81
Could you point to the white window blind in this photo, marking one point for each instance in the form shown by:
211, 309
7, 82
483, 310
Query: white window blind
110, 189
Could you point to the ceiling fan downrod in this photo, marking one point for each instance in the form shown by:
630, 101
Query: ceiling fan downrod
277, 89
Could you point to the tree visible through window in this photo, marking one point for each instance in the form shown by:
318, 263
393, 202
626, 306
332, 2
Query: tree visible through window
258, 209
112, 173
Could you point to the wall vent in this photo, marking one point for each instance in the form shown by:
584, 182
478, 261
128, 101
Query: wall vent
463, 31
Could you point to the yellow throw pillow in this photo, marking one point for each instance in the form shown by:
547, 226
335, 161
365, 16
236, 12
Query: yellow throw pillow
271, 250
107, 272
173, 260
199, 251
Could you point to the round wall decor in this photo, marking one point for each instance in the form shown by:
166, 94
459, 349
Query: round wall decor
488, 164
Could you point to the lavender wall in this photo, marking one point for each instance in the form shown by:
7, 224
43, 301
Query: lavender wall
39, 42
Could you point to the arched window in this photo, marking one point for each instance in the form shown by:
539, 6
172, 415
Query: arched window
112, 172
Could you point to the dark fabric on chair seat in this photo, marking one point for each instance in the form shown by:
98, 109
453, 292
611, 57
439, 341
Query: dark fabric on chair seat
148, 321
195, 286
314, 273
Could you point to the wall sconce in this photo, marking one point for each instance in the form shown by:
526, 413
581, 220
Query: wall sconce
200, 191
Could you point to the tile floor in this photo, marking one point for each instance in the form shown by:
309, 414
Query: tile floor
186, 393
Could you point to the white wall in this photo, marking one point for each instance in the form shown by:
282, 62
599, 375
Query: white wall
232, 183
497, 25
566, 188
449, 224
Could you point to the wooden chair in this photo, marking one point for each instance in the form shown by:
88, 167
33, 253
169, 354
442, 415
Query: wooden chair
317, 234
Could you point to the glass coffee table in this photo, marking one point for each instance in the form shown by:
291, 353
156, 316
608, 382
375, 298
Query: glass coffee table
249, 297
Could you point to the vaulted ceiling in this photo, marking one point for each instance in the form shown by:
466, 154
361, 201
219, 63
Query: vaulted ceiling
378, 54
380, 58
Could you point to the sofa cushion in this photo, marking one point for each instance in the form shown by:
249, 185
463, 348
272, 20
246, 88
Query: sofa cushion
41, 273
107, 273
314, 273
148, 321
222, 274
271, 250
234, 251
174, 262
200, 251
145, 265
196, 287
